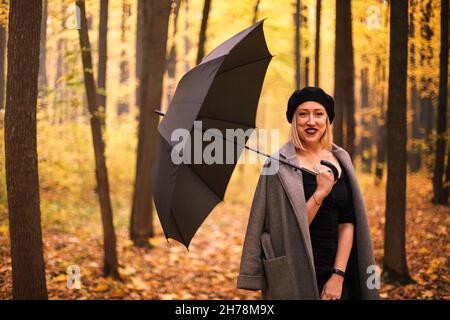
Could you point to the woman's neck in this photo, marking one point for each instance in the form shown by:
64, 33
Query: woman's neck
313, 149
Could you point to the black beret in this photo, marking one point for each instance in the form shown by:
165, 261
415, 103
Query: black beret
310, 94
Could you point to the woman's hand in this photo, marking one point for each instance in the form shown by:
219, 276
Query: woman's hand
325, 182
332, 289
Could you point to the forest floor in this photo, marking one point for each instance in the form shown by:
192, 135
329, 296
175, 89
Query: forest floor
210, 267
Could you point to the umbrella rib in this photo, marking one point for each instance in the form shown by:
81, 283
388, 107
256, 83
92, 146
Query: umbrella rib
179, 229
259, 152
295, 167
204, 182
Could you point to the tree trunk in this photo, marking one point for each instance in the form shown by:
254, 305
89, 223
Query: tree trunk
138, 69
344, 78
58, 88
306, 71
427, 120
415, 150
172, 60
122, 105
414, 153
297, 42
426, 112
101, 172
255, 11
43, 50
441, 125
202, 37
381, 150
21, 162
380, 122
187, 42
317, 48
3, 36
365, 145
155, 20
395, 266
447, 176
102, 58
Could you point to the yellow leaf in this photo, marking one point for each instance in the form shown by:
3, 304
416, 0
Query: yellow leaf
101, 287
168, 296
60, 278
117, 294
138, 284
422, 250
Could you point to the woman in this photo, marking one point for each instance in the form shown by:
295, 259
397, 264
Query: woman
308, 235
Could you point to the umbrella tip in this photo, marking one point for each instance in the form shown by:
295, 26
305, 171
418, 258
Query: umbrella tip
263, 19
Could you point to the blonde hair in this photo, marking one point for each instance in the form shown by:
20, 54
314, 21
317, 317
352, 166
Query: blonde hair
325, 141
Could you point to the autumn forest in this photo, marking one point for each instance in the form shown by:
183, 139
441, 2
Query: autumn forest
79, 85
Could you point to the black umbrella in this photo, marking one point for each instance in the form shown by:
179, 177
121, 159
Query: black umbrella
223, 93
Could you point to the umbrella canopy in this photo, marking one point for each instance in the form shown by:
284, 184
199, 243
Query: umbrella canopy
223, 93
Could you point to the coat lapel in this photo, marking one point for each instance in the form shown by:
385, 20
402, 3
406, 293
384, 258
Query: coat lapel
292, 181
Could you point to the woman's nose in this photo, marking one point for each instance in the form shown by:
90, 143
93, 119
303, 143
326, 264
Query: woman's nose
311, 119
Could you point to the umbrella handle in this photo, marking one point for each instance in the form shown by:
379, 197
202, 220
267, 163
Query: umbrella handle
160, 112
332, 167
324, 162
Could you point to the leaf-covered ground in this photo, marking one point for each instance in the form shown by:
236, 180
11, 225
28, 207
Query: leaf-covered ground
210, 267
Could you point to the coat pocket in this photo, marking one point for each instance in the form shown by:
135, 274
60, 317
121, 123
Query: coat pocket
279, 278
277, 272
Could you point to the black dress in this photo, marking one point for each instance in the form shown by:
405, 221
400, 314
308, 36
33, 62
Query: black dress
336, 208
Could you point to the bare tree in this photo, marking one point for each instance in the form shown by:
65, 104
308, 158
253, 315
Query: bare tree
58, 87
102, 56
365, 144
22, 178
43, 49
155, 21
297, 42
3, 36
381, 122
447, 176
441, 125
395, 266
110, 267
256, 11
317, 48
138, 67
202, 37
187, 43
344, 78
122, 105
414, 152
172, 60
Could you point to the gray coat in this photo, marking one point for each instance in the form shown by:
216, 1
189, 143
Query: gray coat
285, 268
